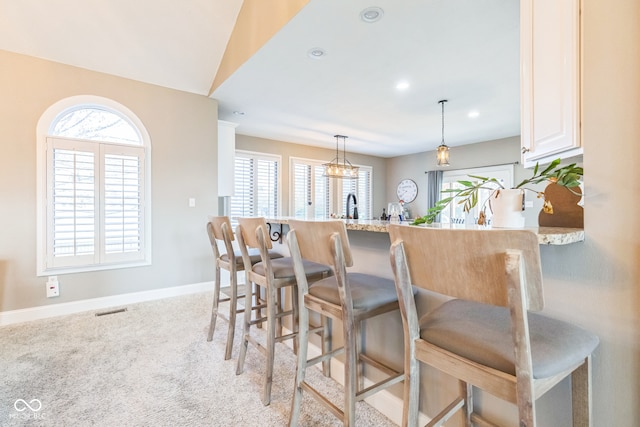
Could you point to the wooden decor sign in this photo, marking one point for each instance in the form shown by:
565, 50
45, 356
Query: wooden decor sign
566, 211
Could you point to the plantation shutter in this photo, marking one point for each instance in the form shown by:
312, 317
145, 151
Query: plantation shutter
301, 189
123, 208
256, 186
83, 193
361, 187
267, 188
72, 200
321, 193
311, 194
348, 186
364, 194
242, 200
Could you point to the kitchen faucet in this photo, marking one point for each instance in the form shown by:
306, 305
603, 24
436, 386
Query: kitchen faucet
355, 205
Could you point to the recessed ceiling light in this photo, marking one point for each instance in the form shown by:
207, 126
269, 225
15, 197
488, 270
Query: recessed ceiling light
239, 113
316, 53
402, 85
371, 14
473, 114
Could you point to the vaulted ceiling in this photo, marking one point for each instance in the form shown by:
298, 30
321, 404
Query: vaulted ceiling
465, 51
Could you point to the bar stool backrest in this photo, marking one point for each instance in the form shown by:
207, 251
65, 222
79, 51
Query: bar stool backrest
217, 223
313, 239
470, 264
251, 228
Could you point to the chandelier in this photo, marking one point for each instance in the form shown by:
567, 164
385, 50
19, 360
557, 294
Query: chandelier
443, 151
340, 168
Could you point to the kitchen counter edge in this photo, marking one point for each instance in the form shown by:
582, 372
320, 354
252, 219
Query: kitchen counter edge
546, 235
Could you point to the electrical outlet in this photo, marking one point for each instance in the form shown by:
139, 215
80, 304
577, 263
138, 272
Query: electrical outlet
53, 287
192, 202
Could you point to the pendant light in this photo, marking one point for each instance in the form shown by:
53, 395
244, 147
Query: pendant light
443, 150
340, 168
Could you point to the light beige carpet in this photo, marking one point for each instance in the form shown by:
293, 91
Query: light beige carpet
148, 366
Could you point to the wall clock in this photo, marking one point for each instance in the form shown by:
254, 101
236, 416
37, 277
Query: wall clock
407, 190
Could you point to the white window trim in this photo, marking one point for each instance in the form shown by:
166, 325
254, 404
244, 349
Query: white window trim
43, 129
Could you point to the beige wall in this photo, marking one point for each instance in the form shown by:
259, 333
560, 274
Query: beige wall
288, 150
183, 130
598, 283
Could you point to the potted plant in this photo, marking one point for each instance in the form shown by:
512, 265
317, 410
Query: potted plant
566, 176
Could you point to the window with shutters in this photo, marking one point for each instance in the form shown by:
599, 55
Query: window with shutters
311, 191
257, 186
314, 195
94, 192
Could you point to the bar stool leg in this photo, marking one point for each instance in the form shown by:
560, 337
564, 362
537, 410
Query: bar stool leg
233, 311
358, 338
214, 307
303, 336
295, 319
350, 374
327, 344
271, 341
245, 333
279, 307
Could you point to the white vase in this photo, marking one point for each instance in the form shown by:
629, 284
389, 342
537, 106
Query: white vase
508, 208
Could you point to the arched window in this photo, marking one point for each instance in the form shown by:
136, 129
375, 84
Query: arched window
93, 187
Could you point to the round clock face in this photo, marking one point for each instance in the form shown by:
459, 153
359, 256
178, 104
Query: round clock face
407, 190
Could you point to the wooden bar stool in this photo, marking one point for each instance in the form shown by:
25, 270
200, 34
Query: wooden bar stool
487, 335
348, 297
273, 275
219, 229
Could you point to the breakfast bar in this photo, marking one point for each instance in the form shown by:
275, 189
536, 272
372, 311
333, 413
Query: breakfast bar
546, 235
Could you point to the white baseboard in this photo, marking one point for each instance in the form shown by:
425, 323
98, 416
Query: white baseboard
53, 310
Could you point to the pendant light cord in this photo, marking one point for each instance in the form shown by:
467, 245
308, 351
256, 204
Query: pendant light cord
442, 103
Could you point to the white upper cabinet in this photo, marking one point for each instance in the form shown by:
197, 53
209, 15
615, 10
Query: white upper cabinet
550, 80
226, 157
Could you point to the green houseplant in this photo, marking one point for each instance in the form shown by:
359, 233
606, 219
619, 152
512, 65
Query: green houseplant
566, 176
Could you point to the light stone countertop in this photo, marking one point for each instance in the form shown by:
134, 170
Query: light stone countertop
546, 235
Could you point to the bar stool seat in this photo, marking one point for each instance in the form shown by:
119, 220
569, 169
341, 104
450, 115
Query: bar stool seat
367, 291
483, 335
254, 256
283, 268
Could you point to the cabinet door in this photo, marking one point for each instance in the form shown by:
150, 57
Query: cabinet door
550, 79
